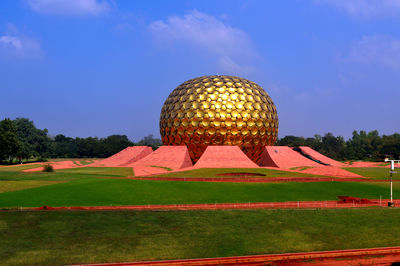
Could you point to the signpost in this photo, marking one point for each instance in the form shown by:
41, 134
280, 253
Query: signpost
392, 162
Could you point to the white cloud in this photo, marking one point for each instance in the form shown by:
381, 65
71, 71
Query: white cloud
19, 44
376, 49
12, 41
69, 7
366, 8
206, 32
231, 67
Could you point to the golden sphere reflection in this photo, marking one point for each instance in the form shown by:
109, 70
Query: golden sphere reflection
219, 110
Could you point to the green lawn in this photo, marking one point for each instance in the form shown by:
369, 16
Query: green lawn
55, 238
13, 174
212, 172
96, 191
374, 172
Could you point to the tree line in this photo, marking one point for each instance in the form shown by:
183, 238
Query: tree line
369, 146
21, 140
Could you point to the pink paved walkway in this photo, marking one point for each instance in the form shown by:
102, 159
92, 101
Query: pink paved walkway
224, 157
320, 157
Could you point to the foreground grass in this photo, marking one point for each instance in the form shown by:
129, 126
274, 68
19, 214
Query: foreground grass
373, 172
95, 192
213, 172
14, 174
49, 238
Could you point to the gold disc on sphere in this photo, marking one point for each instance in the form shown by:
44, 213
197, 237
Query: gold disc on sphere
219, 110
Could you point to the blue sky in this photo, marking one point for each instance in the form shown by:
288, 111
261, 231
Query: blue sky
95, 68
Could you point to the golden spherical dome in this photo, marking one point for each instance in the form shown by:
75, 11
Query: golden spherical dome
219, 110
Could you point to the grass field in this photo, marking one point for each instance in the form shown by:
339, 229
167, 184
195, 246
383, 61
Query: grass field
15, 174
49, 238
95, 192
213, 172
374, 172
107, 186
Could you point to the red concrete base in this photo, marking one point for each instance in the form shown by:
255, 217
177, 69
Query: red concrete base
284, 157
320, 157
224, 157
125, 157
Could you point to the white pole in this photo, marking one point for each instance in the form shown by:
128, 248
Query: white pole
391, 181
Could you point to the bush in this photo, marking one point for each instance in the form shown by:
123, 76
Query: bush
48, 168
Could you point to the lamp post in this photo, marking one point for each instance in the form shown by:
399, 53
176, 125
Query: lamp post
390, 203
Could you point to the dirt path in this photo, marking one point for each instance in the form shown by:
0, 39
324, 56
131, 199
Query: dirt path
327, 204
260, 179
370, 256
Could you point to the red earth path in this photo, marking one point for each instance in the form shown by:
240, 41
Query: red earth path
258, 179
369, 256
223, 206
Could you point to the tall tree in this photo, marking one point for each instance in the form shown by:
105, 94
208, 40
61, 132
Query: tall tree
10, 147
34, 141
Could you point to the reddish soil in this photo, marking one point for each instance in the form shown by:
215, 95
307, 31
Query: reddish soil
330, 171
258, 179
56, 165
370, 256
224, 157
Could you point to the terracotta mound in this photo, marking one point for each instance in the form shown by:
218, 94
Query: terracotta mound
125, 157
224, 157
320, 157
284, 157
164, 159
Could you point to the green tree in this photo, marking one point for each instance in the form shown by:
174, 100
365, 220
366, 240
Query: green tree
10, 147
149, 140
34, 141
113, 144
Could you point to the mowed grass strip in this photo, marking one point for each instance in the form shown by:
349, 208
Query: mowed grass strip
374, 172
67, 174
213, 172
6, 186
100, 192
56, 238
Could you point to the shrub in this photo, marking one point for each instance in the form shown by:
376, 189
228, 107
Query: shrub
48, 168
